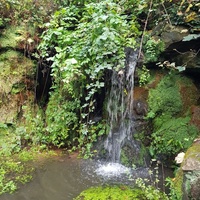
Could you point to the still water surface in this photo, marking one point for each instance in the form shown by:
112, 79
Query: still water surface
56, 180
66, 178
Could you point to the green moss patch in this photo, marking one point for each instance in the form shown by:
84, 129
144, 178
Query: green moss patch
112, 193
122, 192
13, 67
14, 36
172, 130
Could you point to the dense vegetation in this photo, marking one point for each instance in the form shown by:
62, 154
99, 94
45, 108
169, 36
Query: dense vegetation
173, 132
80, 42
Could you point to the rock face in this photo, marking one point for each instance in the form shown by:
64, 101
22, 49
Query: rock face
16, 75
181, 46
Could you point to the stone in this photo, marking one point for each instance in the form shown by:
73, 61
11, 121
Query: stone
179, 158
191, 164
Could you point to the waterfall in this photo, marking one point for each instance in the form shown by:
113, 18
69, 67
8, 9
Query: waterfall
120, 107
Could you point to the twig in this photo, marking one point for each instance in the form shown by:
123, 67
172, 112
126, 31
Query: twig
145, 27
166, 13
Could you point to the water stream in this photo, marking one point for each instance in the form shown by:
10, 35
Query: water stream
120, 108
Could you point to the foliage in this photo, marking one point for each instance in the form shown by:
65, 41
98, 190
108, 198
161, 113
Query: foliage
30, 12
90, 136
61, 119
165, 99
184, 13
31, 129
95, 43
149, 191
122, 192
152, 48
173, 136
175, 193
144, 75
171, 133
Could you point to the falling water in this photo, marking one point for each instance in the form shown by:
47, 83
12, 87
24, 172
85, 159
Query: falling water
120, 107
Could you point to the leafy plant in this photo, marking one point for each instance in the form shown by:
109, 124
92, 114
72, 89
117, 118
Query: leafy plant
81, 49
61, 119
89, 136
144, 75
152, 49
174, 194
150, 192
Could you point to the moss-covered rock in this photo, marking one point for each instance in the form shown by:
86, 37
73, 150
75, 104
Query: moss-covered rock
121, 193
16, 84
187, 180
170, 103
19, 37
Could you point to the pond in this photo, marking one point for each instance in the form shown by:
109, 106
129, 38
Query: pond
66, 177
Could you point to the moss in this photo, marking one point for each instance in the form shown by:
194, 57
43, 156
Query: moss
172, 131
121, 192
173, 136
130, 158
193, 152
14, 36
13, 67
165, 98
177, 183
112, 193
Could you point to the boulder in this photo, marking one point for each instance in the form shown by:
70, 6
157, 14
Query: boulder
189, 173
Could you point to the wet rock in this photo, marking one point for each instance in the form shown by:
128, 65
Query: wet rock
169, 34
140, 108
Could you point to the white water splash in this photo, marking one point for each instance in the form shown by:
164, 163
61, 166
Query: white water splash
109, 170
